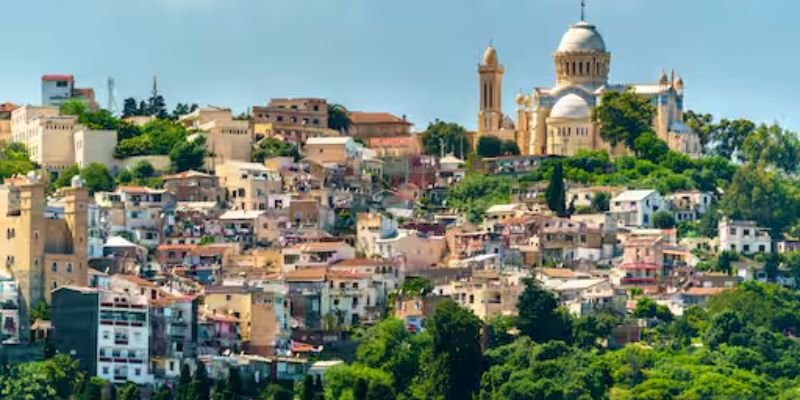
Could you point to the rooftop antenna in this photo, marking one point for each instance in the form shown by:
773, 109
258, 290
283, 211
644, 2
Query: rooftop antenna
112, 101
583, 10
155, 86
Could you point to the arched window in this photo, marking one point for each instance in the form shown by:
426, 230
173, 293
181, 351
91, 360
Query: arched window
485, 89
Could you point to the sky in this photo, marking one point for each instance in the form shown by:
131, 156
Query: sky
738, 58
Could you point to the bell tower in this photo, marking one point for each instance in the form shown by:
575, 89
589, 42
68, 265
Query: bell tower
490, 74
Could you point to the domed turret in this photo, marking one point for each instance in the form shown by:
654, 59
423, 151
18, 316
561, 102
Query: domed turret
663, 80
679, 83
571, 106
581, 57
582, 37
490, 56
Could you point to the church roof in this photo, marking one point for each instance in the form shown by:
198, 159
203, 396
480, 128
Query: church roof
571, 106
582, 37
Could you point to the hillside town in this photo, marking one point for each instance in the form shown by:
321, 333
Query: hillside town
194, 251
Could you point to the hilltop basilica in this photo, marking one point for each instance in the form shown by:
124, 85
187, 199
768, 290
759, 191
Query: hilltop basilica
558, 120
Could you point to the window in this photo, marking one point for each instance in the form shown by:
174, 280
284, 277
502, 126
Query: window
761, 248
69, 267
137, 371
746, 232
355, 285
105, 370
54, 267
227, 297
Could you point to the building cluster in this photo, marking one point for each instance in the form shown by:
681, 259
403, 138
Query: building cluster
261, 266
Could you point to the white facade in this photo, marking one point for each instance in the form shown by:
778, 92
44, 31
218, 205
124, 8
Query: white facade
123, 331
743, 237
93, 146
636, 207
57, 89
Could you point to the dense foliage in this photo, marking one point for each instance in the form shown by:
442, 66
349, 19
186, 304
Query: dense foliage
157, 137
445, 137
14, 160
476, 193
741, 346
272, 147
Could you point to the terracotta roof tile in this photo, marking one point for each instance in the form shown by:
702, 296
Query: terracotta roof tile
359, 117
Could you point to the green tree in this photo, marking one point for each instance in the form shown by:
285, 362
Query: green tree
649, 147
200, 386
448, 134
663, 220
416, 285
772, 146
388, 346
65, 177
474, 194
489, 146
188, 155
93, 389
623, 117
183, 386
272, 147
129, 391
346, 381
556, 194
763, 196
730, 136
124, 177
96, 178
338, 118
40, 311
509, 148
601, 202
275, 391
451, 369
539, 317
143, 170
130, 108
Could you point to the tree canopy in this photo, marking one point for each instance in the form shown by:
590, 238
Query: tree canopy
447, 137
623, 117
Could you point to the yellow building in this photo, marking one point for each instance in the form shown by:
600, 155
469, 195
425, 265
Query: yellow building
246, 185
558, 120
226, 139
40, 252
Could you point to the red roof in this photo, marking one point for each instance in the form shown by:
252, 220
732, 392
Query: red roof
358, 117
8, 107
57, 77
394, 141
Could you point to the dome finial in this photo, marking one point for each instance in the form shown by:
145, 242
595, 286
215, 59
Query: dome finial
583, 10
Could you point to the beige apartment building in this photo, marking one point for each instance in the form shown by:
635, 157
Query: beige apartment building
57, 142
337, 150
247, 184
42, 253
226, 139
5, 121
293, 119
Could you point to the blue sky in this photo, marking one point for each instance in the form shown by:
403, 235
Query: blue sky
738, 58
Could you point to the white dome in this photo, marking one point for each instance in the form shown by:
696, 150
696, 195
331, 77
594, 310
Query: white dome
582, 37
571, 106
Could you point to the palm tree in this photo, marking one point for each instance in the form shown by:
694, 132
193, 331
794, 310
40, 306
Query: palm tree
337, 118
